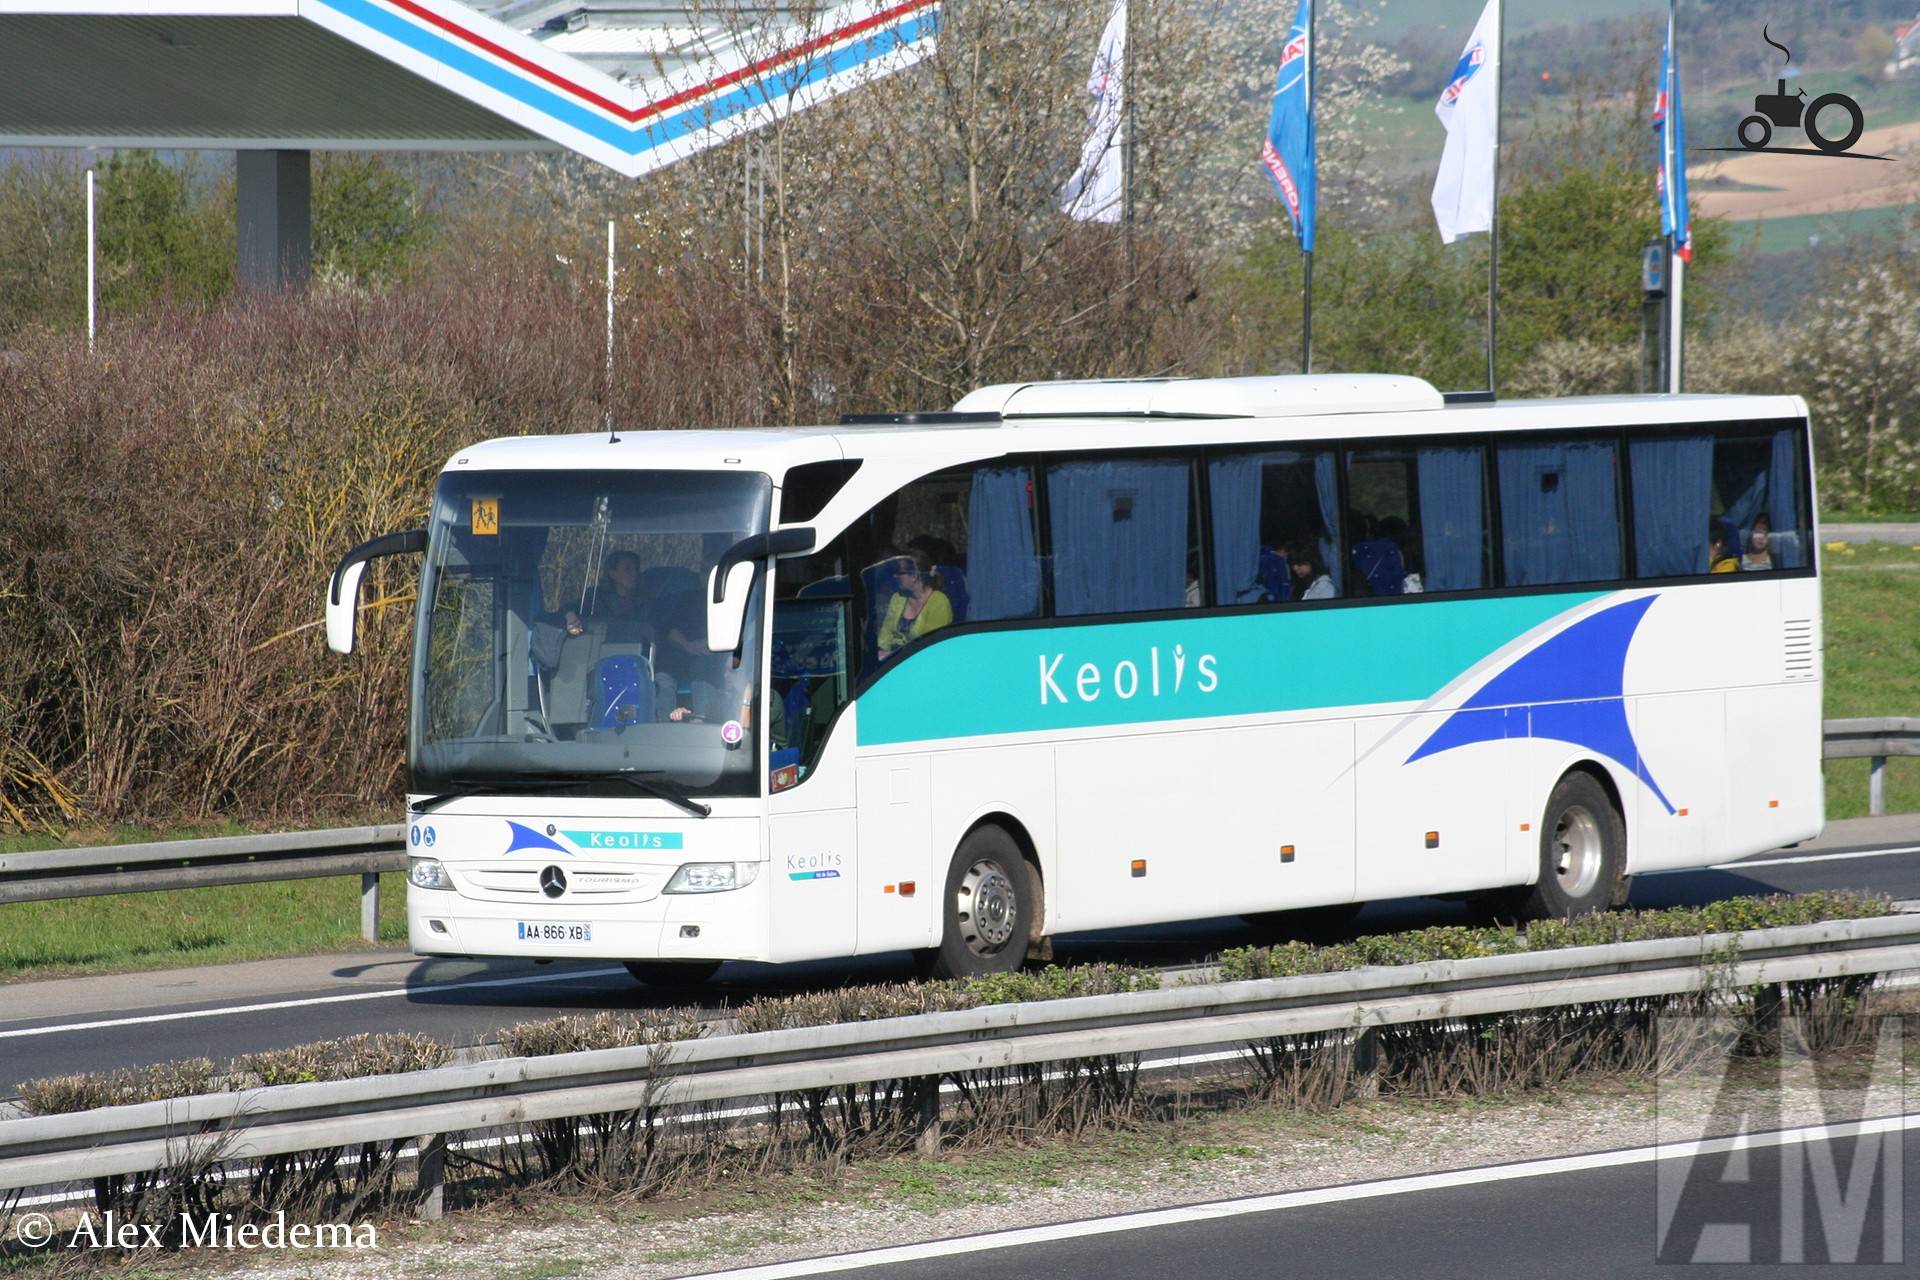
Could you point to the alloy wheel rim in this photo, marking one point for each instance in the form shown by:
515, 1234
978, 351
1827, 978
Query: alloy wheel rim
986, 907
1578, 851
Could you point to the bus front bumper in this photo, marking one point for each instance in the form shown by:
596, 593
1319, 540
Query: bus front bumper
727, 925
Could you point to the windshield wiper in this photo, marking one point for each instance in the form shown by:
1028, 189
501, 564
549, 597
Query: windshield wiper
559, 782
461, 790
632, 778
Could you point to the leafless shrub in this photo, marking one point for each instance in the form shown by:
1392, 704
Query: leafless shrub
1304, 1073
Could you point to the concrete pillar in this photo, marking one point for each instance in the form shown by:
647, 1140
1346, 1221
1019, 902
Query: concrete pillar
274, 207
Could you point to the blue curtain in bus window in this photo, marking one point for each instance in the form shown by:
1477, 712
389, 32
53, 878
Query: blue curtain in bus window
1452, 519
1003, 575
1672, 501
1560, 514
1783, 501
1324, 486
1744, 505
1235, 485
1119, 535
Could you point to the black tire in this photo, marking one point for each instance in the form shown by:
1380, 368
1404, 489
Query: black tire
987, 910
1856, 122
1583, 853
1766, 132
673, 973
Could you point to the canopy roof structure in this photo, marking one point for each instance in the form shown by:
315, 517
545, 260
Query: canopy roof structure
633, 85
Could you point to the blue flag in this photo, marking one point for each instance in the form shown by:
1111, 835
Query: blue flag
1287, 153
1670, 176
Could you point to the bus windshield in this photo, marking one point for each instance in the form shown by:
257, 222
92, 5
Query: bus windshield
562, 634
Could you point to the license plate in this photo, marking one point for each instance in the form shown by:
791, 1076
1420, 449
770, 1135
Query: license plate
560, 931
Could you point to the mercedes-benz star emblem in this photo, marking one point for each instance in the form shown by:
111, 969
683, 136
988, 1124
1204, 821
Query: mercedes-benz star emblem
553, 881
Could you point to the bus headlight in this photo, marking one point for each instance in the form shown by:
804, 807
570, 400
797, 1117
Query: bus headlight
712, 877
427, 873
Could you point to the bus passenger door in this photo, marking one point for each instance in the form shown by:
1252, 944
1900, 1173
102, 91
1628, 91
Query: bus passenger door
812, 858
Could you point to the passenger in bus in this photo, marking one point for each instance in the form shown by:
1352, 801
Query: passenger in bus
1310, 573
1759, 553
918, 607
617, 598
1718, 561
1193, 580
683, 657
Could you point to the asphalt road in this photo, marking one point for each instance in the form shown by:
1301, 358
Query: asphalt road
1613, 1214
223, 1011
1906, 535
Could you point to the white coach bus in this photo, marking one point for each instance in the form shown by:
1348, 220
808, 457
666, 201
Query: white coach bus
1084, 655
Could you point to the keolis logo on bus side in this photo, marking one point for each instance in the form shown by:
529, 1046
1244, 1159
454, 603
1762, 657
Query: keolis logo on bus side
1124, 679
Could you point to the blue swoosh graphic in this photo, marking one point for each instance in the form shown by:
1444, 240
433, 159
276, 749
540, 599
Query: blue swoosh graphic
1567, 688
528, 838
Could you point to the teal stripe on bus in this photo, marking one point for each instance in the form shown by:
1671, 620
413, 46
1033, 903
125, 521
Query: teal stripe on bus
1188, 667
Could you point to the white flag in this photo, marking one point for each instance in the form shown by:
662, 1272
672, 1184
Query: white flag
1470, 109
1095, 191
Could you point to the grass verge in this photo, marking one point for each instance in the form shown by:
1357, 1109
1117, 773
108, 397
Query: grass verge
1872, 663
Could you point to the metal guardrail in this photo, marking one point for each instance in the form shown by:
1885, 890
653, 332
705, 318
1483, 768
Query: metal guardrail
54, 1150
47, 874
1875, 738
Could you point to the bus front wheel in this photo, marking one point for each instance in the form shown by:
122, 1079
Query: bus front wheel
1583, 852
673, 973
987, 910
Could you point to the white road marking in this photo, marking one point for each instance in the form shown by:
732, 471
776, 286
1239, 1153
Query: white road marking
968, 1245
1783, 862
182, 1015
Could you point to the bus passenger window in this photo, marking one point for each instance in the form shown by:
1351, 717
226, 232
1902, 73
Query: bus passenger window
1386, 550
1559, 512
1717, 504
1276, 527
1122, 534
954, 547
1757, 488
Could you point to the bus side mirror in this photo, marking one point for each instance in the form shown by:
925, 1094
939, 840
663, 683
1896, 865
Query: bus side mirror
343, 589
730, 583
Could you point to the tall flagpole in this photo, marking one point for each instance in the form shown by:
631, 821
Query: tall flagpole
1126, 149
1493, 238
1676, 265
1306, 255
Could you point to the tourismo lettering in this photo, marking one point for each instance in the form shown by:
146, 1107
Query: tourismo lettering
1126, 679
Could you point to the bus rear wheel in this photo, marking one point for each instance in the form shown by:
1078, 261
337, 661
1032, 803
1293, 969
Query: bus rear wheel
673, 973
1583, 853
987, 911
